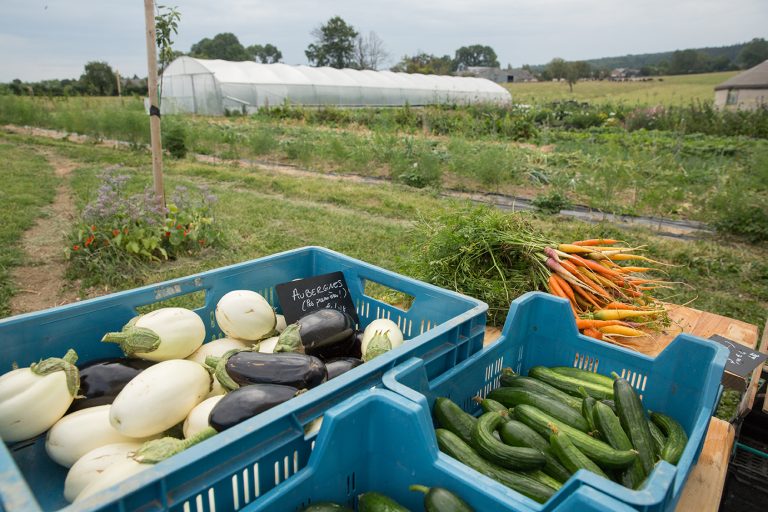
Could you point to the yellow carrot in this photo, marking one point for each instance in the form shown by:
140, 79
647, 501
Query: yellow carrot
621, 330
621, 314
570, 248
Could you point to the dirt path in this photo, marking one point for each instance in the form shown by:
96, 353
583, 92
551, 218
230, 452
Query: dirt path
40, 282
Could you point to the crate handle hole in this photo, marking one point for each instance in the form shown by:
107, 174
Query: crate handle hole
395, 298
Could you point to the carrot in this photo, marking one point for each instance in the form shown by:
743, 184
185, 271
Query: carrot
627, 270
593, 333
621, 330
596, 241
621, 314
570, 248
564, 286
622, 305
584, 277
597, 268
587, 296
582, 323
627, 257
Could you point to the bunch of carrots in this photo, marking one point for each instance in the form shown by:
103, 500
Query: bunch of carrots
611, 302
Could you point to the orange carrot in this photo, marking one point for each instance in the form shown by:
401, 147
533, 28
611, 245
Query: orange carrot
586, 296
627, 270
582, 323
596, 241
563, 284
593, 333
585, 277
597, 268
563, 290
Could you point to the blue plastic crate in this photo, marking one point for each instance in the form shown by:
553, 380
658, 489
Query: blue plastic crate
379, 441
683, 382
440, 326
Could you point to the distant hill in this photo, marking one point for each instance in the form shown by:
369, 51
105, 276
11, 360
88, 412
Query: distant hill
654, 59
725, 56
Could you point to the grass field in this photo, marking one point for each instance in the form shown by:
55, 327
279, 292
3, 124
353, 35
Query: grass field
665, 90
265, 212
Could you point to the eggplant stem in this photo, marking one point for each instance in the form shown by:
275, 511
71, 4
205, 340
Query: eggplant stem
64, 364
134, 340
419, 488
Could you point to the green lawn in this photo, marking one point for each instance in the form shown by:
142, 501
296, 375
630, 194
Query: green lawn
664, 90
265, 212
29, 183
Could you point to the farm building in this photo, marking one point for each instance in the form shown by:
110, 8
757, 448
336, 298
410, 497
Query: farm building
745, 91
213, 87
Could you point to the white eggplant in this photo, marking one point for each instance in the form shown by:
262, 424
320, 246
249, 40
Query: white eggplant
197, 420
267, 346
78, 433
159, 397
33, 399
386, 327
280, 324
163, 334
245, 315
92, 464
114, 474
216, 348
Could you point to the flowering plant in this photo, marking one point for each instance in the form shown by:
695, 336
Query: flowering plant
119, 226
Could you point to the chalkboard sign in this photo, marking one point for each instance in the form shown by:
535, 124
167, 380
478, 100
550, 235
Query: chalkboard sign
742, 361
302, 296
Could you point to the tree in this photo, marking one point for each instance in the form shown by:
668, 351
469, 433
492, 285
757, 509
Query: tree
99, 79
475, 55
267, 54
753, 53
557, 68
224, 46
425, 63
370, 52
166, 25
334, 45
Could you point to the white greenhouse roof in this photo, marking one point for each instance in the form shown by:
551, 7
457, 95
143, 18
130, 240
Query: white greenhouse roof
214, 86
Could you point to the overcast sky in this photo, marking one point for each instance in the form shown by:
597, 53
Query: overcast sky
42, 39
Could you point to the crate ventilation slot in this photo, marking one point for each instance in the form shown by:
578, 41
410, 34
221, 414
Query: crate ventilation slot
246, 484
585, 362
425, 326
351, 487
199, 504
636, 380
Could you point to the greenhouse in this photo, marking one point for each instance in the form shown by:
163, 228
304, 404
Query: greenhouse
215, 87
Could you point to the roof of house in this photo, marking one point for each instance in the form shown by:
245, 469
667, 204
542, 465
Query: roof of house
753, 78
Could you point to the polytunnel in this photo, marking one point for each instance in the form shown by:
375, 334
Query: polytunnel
213, 87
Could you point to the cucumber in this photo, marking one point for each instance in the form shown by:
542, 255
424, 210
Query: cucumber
544, 478
568, 384
452, 445
489, 405
377, 502
587, 408
609, 424
439, 499
493, 450
515, 433
584, 375
571, 457
326, 507
676, 437
611, 404
512, 397
659, 439
452, 417
634, 422
600, 452
537, 386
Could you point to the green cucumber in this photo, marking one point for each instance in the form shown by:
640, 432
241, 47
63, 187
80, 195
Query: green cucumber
634, 422
326, 507
452, 445
377, 502
544, 478
676, 437
609, 424
493, 450
611, 404
515, 433
537, 386
489, 405
452, 417
568, 384
512, 397
439, 499
587, 408
571, 457
600, 452
584, 375
659, 439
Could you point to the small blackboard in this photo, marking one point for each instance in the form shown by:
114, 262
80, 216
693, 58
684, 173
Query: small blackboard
302, 296
742, 361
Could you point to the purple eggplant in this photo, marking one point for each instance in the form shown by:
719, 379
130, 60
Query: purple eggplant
246, 402
318, 330
101, 380
341, 365
289, 369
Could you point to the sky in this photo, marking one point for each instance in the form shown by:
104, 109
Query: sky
43, 39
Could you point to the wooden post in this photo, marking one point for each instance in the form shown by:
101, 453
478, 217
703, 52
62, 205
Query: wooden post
117, 79
154, 107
